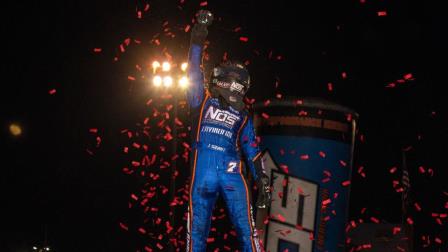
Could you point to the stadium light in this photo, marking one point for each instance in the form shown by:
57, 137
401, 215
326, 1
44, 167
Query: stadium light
167, 81
155, 65
157, 81
184, 66
166, 66
183, 82
168, 74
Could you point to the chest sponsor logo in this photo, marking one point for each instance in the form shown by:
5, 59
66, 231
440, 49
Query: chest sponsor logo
222, 116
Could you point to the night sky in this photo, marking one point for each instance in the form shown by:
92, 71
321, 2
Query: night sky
71, 80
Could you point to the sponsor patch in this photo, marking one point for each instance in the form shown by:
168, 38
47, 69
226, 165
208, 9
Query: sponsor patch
221, 116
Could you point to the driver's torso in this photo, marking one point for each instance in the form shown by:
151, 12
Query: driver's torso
219, 128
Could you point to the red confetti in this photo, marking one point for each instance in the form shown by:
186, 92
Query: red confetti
281, 218
326, 202
186, 145
168, 227
131, 78
346, 183
264, 115
382, 13
250, 101
391, 85
302, 113
284, 182
244, 39
178, 122
349, 117
396, 230
187, 28
89, 152
97, 50
284, 168
421, 169
325, 180
123, 226
168, 137
52, 92
282, 152
360, 169
408, 76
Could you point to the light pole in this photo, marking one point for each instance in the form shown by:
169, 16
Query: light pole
163, 79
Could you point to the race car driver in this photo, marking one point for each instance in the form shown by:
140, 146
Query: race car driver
222, 139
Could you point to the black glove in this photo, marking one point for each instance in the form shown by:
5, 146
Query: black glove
204, 17
198, 34
264, 191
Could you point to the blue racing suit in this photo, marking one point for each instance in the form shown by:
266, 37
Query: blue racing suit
220, 138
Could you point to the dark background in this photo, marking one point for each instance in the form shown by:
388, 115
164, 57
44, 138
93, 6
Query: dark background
49, 181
